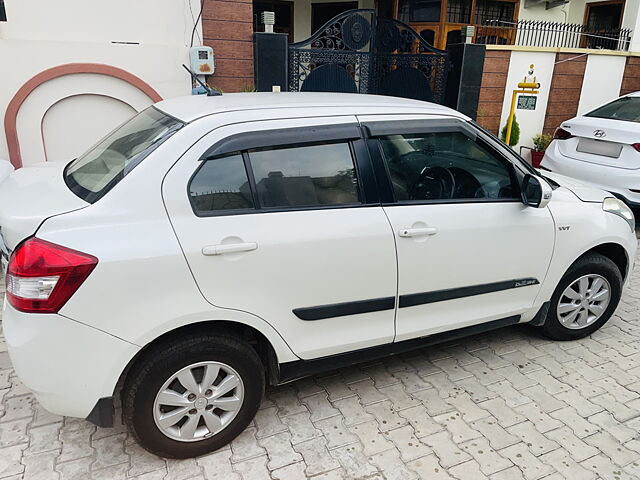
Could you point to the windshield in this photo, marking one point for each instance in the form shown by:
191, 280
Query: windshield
96, 172
626, 109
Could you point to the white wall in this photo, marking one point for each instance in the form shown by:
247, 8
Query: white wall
40, 35
302, 16
531, 121
602, 81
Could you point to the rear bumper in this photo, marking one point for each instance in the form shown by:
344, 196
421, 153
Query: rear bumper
618, 181
68, 365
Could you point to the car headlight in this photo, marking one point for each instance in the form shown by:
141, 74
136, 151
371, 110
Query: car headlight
618, 207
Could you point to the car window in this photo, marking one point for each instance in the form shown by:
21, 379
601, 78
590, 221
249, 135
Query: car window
625, 108
96, 172
221, 184
446, 165
304, 175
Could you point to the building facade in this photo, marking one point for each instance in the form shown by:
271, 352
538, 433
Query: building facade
73, 69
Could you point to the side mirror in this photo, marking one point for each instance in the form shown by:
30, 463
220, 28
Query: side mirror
535, 191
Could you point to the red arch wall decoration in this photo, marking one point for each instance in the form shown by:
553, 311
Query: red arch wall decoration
11, 115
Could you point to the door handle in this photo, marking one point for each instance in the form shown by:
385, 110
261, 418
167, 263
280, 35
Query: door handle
229, 248
417, 232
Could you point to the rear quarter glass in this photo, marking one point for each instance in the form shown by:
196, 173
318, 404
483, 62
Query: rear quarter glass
95, 173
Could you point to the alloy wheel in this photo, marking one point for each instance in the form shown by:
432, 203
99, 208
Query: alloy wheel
198, 401
584, 301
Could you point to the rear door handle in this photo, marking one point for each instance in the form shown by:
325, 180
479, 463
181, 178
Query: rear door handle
417, 232
229, 248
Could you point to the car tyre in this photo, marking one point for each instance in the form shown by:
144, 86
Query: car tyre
601, 274
144, 409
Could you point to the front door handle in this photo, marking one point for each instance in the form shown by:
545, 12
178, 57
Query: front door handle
229, 248
417, 232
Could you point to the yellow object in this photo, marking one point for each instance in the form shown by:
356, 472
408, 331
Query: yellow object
524, 87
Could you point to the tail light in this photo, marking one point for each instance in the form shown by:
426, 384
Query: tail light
42, 276
636, 146
562, 134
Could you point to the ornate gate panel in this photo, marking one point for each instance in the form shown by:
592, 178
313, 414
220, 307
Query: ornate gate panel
356, 52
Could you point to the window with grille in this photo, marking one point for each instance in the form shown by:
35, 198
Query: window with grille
494, 10
459, 11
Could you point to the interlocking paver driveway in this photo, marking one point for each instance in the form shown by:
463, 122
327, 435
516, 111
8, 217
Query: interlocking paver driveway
506, 405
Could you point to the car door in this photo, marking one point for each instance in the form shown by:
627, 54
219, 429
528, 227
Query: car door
277, 218
469, 251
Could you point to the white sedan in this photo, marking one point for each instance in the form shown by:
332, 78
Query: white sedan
212, 245
601, 148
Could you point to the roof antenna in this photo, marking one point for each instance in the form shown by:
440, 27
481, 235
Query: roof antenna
210, 91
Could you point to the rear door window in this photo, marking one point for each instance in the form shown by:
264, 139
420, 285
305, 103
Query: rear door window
305, 175
96, 172
626, 109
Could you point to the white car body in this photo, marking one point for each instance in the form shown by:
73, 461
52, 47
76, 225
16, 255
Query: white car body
153, 279
600, 153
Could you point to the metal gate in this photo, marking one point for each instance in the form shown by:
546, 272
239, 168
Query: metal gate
358, 52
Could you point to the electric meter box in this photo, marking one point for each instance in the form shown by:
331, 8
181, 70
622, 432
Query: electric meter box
202, 60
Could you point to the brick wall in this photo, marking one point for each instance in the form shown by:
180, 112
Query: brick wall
228, 28
631, 77
564, 93
494, 81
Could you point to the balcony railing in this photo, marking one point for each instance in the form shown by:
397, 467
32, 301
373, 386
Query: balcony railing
533, 33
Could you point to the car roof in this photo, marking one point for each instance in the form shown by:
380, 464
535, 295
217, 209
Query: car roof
190, 108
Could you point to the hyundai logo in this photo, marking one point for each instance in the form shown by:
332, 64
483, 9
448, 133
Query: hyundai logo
599, 133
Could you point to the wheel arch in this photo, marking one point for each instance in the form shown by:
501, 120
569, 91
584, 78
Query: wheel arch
256, 339
614, 252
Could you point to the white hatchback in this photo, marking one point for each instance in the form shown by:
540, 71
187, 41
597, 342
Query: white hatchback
212, 245
601, 148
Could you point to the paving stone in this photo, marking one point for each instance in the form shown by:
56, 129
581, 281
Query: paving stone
319, 406
75, 444
290, 472
316, 456
551, 385
109, 451
432, 401
14, 432
268, 422
452, 369
466, 470
606, 421
511, 473
399, 397
217, 466
566, 466
76, 469
335, 432
280, 450
443, 386
546, 402
457, 427
510, 395
301, 427
583, 406
380, 375
542, 421
367, 392
581, 428
491, 360
44, 438
10, 460
505, 415
604, 468
578, 450
253, 468
246, 446
529, 465
467, 407
497, 436
445, 449
371, 437
476, 390
428, 468
407, 443
287, 402
622, 412
386, 416
421, 422
608, 445
538, 444
392, 466
352, 411
413, 382
354, 461
489, 461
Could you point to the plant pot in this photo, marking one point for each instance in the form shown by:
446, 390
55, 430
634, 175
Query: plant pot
536, 158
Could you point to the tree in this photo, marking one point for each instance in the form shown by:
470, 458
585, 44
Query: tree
515, 132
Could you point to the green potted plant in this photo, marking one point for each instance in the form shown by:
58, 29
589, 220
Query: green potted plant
540, 144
